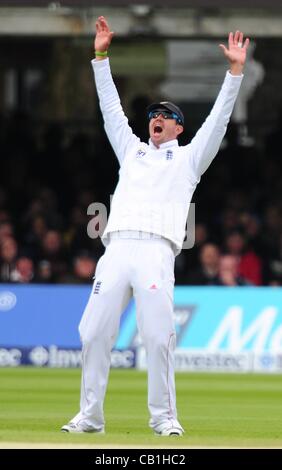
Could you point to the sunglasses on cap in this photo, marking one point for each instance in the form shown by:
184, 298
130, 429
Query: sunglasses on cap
165, 115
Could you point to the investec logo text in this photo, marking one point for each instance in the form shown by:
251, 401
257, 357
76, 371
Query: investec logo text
258, 336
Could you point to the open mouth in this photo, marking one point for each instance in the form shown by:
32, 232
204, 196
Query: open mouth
157, 129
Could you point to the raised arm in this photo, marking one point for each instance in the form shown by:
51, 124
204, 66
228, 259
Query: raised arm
236, 53
204, 146
102, 39
118, 131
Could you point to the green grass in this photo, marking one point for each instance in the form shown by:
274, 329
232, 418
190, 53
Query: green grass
215, 409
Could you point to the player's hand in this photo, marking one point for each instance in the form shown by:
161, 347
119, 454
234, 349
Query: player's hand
104, 36
236, 52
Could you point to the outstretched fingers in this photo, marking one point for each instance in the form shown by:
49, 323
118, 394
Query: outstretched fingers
246, 44
222, 46
236, 38
98, 27
103, 24
230, 40
241, 39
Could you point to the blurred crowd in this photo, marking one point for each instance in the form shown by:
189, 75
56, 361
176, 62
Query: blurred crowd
48, 179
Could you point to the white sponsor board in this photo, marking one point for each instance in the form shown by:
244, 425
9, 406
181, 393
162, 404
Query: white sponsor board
200, 360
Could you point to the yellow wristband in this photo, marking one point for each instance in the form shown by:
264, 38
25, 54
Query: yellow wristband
101, 53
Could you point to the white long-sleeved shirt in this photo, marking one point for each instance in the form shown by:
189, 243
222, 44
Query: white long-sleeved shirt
156, 185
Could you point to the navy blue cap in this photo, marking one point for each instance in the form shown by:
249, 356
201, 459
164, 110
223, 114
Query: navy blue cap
168, 106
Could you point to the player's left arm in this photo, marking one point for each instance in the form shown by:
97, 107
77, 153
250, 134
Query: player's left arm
204, 146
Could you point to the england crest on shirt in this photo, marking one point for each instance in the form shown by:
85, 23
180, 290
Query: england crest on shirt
169, 154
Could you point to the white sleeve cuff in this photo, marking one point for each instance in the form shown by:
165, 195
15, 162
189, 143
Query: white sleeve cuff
100, 63
228, 73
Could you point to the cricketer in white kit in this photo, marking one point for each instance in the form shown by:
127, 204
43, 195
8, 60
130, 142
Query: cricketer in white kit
145, 231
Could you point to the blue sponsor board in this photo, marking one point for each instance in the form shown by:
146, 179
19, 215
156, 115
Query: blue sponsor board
236, 320
32, 315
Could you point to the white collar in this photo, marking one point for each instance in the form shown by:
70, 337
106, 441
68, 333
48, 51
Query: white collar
164, 145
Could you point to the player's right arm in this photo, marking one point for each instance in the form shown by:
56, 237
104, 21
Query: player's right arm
118, 131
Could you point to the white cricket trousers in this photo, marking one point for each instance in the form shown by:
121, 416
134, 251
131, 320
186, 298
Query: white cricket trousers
143, 268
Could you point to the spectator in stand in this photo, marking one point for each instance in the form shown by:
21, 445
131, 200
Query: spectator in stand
8, 258
77, 237
188, 260
52, 250
208, 272
201, 237
229, 272
44, 204
249, 264
49, 201
6, 230
273, 266
229, 221
35, 234
44, 274
252, 229
24, 272
83, 270
272, 229
4, 215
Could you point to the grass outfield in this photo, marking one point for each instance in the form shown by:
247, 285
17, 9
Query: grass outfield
216, 410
